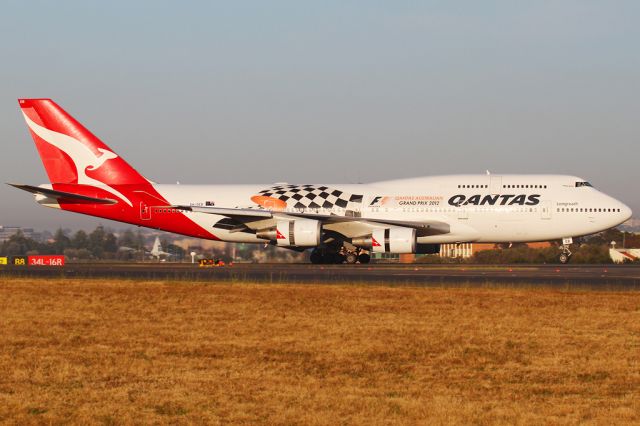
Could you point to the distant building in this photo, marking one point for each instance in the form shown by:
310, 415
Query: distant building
463, 250
7, 231
466, 250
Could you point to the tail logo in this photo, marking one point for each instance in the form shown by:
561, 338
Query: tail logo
83, 158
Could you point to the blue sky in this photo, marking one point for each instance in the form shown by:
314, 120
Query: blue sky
223, 92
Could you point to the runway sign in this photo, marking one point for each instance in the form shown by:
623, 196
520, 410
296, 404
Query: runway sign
19, 260
3, 260
55, 260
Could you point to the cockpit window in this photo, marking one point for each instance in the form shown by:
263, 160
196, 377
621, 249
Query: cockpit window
578, 184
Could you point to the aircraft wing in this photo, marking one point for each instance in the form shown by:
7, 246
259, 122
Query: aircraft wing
350, 226
229, 212
437, 227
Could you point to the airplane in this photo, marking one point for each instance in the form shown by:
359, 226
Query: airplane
339, 223
156, 250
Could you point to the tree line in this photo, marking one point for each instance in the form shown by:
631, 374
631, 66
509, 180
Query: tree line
103, 244
97, 244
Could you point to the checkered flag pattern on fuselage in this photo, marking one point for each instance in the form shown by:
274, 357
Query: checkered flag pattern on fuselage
313, 197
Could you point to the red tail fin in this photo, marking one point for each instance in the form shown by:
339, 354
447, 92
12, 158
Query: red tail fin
71, 153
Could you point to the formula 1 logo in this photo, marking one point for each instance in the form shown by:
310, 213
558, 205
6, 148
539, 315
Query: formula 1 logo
375, 200
380, 201
83, 158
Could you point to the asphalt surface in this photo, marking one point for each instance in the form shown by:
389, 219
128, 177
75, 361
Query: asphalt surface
588, 276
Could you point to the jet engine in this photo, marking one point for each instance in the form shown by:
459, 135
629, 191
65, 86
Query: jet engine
390, 240
293, 233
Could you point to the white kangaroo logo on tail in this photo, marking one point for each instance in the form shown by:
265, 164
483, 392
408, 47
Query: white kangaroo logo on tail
83, 158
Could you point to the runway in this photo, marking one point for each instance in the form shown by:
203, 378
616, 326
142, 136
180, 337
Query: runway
591, 276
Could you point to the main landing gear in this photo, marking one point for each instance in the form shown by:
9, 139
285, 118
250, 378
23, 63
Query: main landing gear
328, 256
566, 253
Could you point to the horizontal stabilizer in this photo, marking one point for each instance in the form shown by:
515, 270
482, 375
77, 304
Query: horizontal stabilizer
67, 196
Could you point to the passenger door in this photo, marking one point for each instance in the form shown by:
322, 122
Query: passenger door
145, 211
496, 184
545, 211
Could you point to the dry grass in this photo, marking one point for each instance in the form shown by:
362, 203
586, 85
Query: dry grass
153, 352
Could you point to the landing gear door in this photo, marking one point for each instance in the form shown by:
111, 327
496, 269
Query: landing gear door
545, 207
496, 185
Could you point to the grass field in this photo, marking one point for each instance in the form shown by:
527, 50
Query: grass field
116, 352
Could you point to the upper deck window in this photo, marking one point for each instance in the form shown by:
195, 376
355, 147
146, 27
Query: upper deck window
578, 184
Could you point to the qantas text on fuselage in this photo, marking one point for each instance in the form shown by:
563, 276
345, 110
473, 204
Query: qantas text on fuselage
338, 222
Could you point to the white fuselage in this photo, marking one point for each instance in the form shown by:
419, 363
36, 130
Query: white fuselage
478, 208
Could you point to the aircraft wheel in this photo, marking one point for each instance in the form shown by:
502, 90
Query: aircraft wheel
316, 257
337, 258
364, 258
351, 258
564, 258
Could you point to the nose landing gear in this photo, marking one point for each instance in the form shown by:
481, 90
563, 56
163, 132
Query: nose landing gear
564, 257
566, 253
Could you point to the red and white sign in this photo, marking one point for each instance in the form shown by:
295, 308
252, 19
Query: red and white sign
55, 260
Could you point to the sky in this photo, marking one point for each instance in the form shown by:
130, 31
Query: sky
335, 91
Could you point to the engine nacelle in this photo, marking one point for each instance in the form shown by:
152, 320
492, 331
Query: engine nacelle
390, 240
293, 233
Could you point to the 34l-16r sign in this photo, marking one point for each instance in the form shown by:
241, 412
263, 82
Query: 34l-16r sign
46, 260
